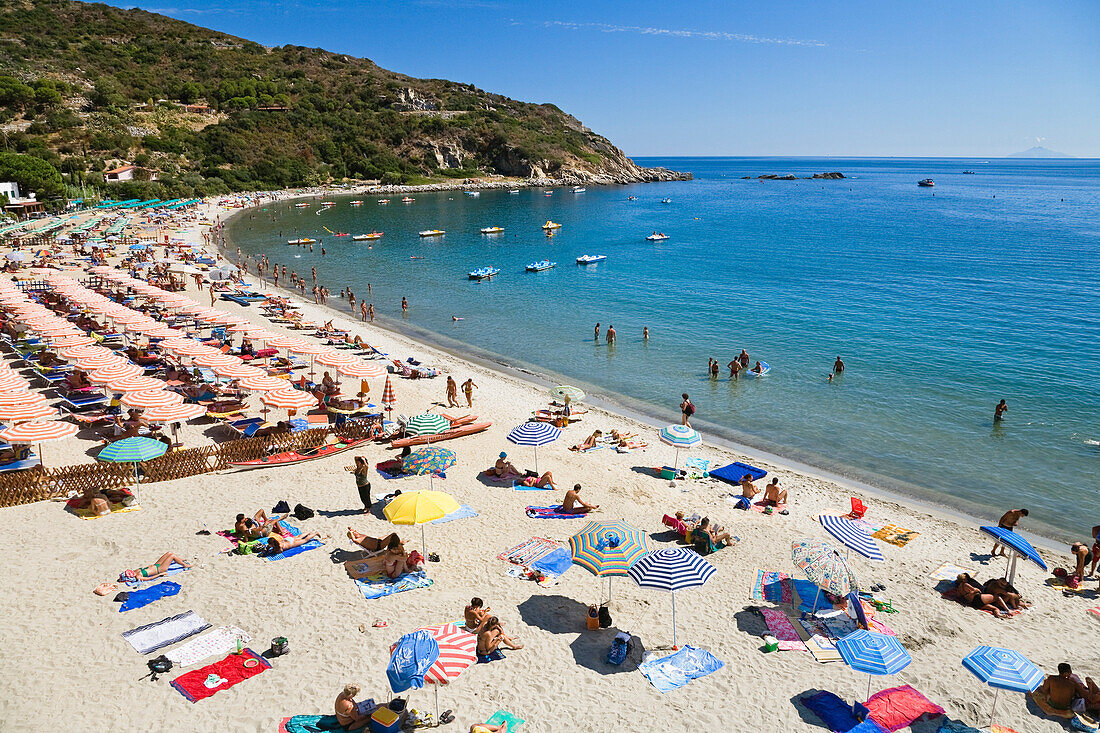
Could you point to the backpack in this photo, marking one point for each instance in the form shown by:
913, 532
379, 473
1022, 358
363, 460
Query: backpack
690, 409
605, 617
281, 508
301, 511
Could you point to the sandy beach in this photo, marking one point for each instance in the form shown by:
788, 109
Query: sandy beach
64, 659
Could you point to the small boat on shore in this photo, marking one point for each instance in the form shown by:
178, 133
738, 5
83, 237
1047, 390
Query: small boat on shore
551, 225
432, 233
484, 273
590, 259
492, 230
540, 266
383, 201
455, 432
657, 237
407, 200
304, 240
292, 457
365, 237
926, 183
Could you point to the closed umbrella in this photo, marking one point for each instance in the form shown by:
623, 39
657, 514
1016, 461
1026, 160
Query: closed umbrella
873, 653
389, 399
823, 565
420, 507
38, 432
851, 536
607, 548
671, 570
1003, 669
426, 423
534, 434
679, 436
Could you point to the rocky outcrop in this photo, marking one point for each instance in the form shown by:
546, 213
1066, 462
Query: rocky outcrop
832, 176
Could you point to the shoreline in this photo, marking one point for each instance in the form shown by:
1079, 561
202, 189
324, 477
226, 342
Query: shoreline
742, 446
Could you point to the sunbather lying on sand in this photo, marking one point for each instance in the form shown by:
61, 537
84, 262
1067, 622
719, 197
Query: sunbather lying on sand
258, 526
574, 504
487, 728
371, 544
1004, 590
157, 569
490, 635
971, 594
540, 482
277, 543
393, 563
589, 442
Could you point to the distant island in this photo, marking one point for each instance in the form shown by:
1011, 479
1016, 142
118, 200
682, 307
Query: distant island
830, 176
1039, 152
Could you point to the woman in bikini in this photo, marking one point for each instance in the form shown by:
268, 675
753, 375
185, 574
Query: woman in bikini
371, 544
157, 569
589, 442
970, 593
277, 543
490, 635
347, 711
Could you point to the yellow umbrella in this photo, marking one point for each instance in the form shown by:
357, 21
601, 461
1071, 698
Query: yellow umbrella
420, 507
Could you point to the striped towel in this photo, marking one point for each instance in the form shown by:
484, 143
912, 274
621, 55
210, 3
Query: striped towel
772, 586
149, 638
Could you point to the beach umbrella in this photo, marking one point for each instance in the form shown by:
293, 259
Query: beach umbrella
1017, 545
823, 565
10, 380
77, 352
38, 432
132, 450
1003, 669
263, 383
21, 396
457, 653
288, 398
361, 370
23, 412
238, 371
671, 570
72, 340
575, 394
111, 373
430, 460
135, 384
534, 434
420, 507
426, 423
335, 358
217, 358
172, 414
411, 658
607, 548
94, 363
389, 399
243, 326
147, 398
679, 436
851, 536
873, 653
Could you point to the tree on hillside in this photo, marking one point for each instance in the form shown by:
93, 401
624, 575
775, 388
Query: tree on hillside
32, 174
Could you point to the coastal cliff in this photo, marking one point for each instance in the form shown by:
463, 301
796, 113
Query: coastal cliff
90, 87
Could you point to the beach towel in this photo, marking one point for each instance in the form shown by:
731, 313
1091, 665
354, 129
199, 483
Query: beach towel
948, 571
836, 714
377, 586
145, 596
502, 716
896, 535
292, 531
733, 472
516, 486
527, 552
550, 512
899, 707
311, 724
221, 640
696, 467
150, 637
809, 600
173, 569
760, 508
867, 526
676, 670
781, 628
115, 509
494, 656
956, 726
952, 594
772, 586
554, 563
203, 682
463, 512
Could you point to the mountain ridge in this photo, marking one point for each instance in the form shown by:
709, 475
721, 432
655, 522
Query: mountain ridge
1039, 151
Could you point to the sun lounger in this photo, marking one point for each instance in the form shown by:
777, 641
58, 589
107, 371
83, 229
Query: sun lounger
22, 465
81, 403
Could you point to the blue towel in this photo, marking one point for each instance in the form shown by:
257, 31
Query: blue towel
293, 532
494, 656
502, 716
145, 596
554, 563
516, 486
463, 512
807, 593
676, 670
837, 714
383, 586
550, 512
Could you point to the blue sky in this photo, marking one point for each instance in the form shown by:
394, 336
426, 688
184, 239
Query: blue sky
726, 77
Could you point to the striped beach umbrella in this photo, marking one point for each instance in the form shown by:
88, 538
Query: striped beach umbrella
679, 436
607, 548
873, 653
77, 352
217, 358
431, 460
21, 396
534, 434
94, 363
135, 384
23, 412
238, 371
173, 343
335, 358
285, 342
575, 394
242, 326
823, 565
163, 332
426, 423
147, 398
132, 450
10, 380
457, 653
288, 398
1002, 669
194, 349
173, 413
389, 399
117, 371
851, 536
361, 370
263, 383
39, 432
72, 340
671, 570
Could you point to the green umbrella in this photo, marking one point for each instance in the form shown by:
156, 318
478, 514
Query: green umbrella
132, 450
427, 423
565, 390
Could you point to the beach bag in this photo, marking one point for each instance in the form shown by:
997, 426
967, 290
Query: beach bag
605, 617
690, 409
743, 502
301, 511
620, 649
279, 646
281, 508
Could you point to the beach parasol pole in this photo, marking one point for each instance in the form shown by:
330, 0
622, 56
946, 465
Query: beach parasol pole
674, 646
423, 542
993, 712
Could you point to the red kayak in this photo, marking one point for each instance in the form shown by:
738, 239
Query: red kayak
456, 432
293, 456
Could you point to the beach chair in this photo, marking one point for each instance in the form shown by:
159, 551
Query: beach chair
858, 510
676, 525
246, 427
81, 402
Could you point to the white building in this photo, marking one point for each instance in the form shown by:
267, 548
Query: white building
129, 173
11, 190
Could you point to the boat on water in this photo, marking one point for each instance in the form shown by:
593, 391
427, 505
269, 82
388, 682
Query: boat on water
666, 201
540, 266
764, 369
657, 237
579, 189
365, 237
631, 198
483, 273
473, 193
926, 183
304, 240
301, 206
547, 193
514, 190
551, 225
968, 173
383, 201
292, 457
492, 230
590, 259
455, 432
328, 203
341, 234
356, 203
407, 200
432, 233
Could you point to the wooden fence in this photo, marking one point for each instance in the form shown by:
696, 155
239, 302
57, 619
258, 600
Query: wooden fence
39, 484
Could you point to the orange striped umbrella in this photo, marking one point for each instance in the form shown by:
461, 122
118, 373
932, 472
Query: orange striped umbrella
135, 384
73, 340
195, 349
144, 326
19, 396
335, 358
173, 343
24, 412
151, 398
111, 373
361, 370
389, 399
37, 431
289, 399
163, 332
260, 334
286, 342
242, 327
77, 352
92, 363
217, 358
173, 413
238, 371
11, 380
263, 383
307, 348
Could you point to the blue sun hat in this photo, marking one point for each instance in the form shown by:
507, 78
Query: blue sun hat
503, 454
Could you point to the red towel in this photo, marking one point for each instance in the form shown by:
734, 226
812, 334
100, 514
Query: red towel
900, 707
232, 669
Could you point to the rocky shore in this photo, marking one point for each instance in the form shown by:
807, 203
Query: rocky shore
831, 176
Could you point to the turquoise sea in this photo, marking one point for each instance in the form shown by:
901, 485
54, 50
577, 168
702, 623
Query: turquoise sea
941, 301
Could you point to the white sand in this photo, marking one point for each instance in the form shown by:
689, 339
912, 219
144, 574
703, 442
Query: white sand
64, 664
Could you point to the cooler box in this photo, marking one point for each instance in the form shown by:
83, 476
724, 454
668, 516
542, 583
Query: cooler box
667, 473
384, 720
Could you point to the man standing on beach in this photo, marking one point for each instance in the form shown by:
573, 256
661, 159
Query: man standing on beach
468, 388
686, 410
999, 411
610, 335
838, 367
452, 392
1008, 521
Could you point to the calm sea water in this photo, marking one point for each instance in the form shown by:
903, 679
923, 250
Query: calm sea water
941, 301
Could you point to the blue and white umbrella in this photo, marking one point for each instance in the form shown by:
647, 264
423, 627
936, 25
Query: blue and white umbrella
1003, 669
852, 536
679, 436
873, 653
534, 434
1017, 545
671, 570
